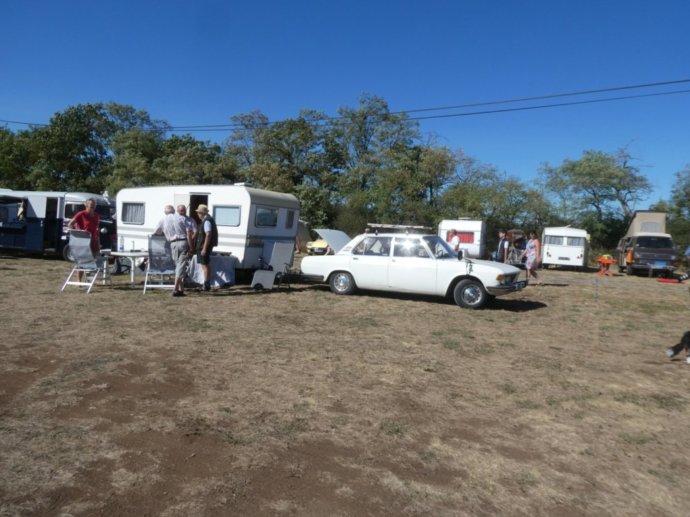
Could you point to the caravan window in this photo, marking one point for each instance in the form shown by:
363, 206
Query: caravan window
290, 219
553, 239
227, 215
576, 241
133, 213
266, 217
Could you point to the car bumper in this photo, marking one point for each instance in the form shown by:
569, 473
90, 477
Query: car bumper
498, 290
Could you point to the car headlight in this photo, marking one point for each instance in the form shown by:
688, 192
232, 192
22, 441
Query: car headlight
500, 278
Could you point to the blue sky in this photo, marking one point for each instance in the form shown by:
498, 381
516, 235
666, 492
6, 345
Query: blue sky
193, 63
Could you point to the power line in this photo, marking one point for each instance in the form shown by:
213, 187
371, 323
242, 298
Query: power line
464, 114
327, 120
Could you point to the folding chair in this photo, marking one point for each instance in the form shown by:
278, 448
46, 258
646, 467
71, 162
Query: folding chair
160, 263
84, 261
278, 266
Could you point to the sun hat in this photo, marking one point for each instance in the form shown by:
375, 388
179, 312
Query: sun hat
202, 209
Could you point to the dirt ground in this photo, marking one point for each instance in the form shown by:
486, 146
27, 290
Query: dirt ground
555, 401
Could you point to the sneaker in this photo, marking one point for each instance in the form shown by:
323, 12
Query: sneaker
688, 360
669, 353
178, 293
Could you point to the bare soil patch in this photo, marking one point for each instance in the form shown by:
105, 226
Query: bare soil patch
556, 401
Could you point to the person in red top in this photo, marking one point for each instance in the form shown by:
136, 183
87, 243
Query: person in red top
88, 219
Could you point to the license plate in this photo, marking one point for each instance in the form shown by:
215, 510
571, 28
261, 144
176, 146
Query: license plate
660, 263
521, 285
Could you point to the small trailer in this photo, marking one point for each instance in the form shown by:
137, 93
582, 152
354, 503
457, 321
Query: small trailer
564, 246
472, 235
36, 221
250, 220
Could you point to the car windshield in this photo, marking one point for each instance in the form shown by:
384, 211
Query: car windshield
439, 247
655, 242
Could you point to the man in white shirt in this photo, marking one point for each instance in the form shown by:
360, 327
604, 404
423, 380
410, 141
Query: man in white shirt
454, 240
178, 230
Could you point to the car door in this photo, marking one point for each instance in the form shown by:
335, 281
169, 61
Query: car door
369, 262
412, 268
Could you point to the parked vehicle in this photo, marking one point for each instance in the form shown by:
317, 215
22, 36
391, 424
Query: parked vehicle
564, 246
36, 221
472, 235
249, 220
317, 247
409, 263
646, 247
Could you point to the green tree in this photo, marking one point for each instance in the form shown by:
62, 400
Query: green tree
599, 191
74, 151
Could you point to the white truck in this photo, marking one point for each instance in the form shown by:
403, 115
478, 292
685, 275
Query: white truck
564, 246
249, 220
472, 234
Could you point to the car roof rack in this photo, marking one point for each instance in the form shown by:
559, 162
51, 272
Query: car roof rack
401, 228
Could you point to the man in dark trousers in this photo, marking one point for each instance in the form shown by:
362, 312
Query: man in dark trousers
503, 249
206, 239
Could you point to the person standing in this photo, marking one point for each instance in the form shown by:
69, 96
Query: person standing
454, 240
206, 239
533, 254
178, 230
89, 220
503, 250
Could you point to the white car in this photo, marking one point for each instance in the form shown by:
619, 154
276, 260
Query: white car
409, 263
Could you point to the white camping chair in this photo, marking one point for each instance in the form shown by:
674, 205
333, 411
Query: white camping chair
278, 265
160, 264
84, 261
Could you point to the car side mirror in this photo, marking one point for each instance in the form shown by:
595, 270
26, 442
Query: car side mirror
460, 254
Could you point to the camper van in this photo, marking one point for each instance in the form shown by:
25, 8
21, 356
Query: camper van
472, 235
36, 221
564, 246
646, 247
249, 220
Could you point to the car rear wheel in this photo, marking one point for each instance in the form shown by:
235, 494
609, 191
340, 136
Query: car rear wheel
342, 283
470, 294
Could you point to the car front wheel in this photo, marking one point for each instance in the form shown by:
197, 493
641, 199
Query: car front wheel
470, 294
342, 283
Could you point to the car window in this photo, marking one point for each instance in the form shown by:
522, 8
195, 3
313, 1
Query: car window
410, 248
375, 245
439, 247
654, 242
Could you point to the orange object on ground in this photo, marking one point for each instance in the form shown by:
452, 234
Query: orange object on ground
605, 265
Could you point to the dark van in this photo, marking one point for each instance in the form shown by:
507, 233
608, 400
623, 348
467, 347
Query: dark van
647, 252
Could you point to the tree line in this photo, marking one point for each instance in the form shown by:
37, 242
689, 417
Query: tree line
368, 164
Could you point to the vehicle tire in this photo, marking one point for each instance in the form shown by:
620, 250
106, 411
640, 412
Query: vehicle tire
470, 294
67, 253
341, 282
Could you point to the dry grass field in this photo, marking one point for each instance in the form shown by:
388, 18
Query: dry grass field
555, 401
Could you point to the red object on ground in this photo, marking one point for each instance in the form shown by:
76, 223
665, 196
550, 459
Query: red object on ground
668, 280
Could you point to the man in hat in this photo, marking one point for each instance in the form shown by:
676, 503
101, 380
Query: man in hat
206, 239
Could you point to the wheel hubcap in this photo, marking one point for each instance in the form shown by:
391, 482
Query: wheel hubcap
471, 294
342, 282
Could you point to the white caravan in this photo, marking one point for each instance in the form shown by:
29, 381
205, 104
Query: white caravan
248, 219
564, 246
472, 235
